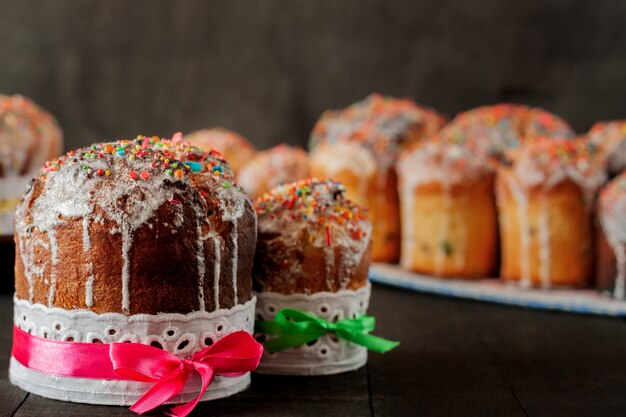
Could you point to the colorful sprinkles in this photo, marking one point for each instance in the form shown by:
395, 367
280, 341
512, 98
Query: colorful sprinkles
319, 202
146, 158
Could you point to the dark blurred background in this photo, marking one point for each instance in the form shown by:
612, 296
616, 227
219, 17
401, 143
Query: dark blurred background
116, 68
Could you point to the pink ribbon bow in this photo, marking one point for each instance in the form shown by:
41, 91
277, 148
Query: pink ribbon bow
233, 355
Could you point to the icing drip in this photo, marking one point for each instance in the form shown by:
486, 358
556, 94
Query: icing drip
444, 231
127, 241
234, 239
407, 200
201, 268
461, 246
89, 286
54, 251
521, 199
544, 245
89, 264
217, 265
620, 279
612, 209
329, 252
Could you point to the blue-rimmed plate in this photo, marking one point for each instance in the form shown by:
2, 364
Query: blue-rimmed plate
583, 301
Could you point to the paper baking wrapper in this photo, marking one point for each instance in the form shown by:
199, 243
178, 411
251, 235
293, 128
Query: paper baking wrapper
327, 355
199, 329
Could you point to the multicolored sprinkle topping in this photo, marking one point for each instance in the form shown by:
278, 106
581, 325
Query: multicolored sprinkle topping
314, 201
145, 157
379, 122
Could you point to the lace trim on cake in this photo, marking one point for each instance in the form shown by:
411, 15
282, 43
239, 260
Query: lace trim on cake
180, 334
326, 355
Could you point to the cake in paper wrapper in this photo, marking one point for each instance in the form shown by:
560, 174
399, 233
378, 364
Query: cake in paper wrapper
313, 255
146, 241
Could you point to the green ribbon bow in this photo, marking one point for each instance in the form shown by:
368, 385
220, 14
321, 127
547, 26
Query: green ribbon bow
295, 328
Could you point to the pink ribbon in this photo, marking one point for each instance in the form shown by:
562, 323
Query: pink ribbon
231, 356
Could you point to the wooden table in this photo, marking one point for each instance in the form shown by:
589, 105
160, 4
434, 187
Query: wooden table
457, 358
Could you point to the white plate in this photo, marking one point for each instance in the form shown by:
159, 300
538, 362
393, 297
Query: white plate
585, 301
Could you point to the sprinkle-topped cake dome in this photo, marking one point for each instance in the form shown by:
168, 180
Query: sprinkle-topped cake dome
548, 162
146, 225
311, 239
492, 130
234, 147
382, 124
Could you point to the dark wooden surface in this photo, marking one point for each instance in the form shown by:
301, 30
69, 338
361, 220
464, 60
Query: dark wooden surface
457, 358
111, 68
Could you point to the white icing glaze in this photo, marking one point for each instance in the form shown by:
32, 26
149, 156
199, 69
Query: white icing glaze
328, 355
275, 220
407, 224
439, 163
532, 172
217, 269
447, 166
444, 231
521, 199
544, 245
613, 221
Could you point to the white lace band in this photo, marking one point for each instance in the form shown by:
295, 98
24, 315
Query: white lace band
180, 334
328, 354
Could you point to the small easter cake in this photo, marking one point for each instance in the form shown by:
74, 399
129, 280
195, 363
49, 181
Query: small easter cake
311, 280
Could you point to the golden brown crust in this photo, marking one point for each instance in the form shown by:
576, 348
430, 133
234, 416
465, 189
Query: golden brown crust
451, 232
559, 249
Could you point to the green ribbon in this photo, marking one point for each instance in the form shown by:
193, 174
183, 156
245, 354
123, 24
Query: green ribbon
295, 328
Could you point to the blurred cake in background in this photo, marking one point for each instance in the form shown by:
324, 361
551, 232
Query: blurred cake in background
449, 219
359, 145
610, 138
491, 131
234, 147
274, 166
313, 255
611, 251
545, 202
29, 136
